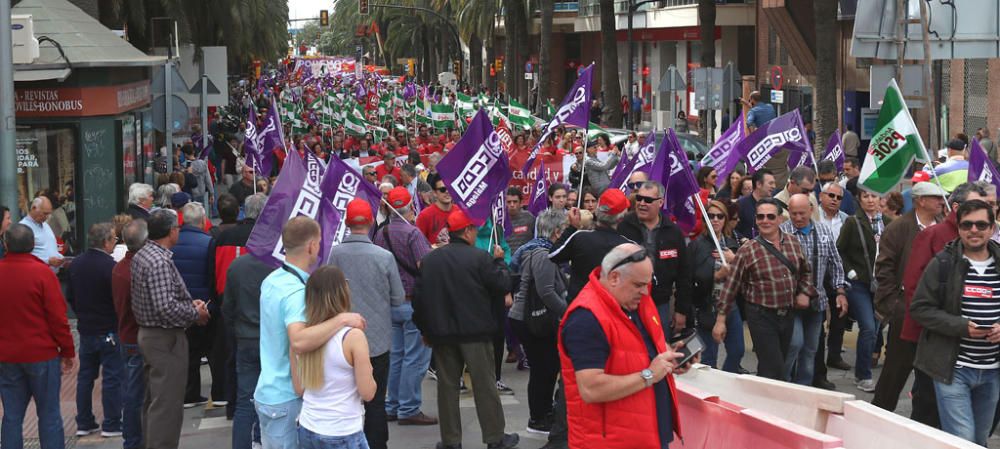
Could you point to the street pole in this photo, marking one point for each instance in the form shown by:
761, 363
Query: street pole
8, 129
204, 104
168, 132
628, 66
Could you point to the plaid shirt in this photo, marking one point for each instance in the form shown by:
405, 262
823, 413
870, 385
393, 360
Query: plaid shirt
159, 296
763, 279
828, 260
409, 245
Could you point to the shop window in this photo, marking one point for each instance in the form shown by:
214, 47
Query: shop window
46, 166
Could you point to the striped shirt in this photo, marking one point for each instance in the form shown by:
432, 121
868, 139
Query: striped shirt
981, 305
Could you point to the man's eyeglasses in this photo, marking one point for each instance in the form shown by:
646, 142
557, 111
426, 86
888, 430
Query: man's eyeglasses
712, 216
637, 256
646, 199
834, 196
768, 217
980, 225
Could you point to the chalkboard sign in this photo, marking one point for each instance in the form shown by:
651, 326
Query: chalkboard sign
99, 163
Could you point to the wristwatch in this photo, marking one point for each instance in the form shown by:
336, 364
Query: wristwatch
647, 376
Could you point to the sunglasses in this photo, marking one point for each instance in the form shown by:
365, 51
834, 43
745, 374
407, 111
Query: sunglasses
637, 256
634, 185
647, 199
769, 217
370, 173
442, 189
834, 196
712, 216
980, 225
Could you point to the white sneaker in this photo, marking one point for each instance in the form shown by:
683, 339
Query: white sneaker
433, 375
85, 432
866, 385
110, 434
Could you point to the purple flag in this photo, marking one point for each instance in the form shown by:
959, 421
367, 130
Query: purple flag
296, 192
574, 110
783, 132
835, 151
980, 168
261, 142
476, 170
340, 185
723, 156
196, 140
673, 171
409, 91
800, 158
642, 161
539, 192
500, 213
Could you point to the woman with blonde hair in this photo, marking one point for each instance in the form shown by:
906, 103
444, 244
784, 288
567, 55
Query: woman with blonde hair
335, 379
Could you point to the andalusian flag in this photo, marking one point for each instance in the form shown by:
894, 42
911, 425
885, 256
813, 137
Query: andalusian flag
519, 115
289, 111
422, 118
465, 106
593, 131
355, 126
443, 116
893, 147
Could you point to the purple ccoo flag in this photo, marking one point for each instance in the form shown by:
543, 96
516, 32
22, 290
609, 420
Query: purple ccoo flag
800, 158
296, 192
835, 151
673, 171
500, 215
539, 192
783, 132
980, 168
340, 185
723, 156
260, 143
642, 161
574, 110
476, 170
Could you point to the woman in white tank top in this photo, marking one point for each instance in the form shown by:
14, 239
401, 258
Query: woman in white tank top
337, 377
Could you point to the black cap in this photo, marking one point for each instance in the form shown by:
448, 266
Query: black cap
956, 144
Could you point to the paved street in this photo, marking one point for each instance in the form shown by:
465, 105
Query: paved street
207, 427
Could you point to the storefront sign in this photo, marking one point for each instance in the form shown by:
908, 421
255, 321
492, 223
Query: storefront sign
81, 101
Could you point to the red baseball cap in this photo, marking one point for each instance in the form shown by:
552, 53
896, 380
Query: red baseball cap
359, 212
458, 221
399, 197
615, 200
920, 176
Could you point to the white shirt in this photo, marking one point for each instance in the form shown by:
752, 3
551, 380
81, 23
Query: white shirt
336, 408
45, 240
835, 223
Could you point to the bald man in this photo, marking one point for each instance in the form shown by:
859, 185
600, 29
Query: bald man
820, 248
46, 248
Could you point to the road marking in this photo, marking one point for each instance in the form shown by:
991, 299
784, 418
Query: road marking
214, 423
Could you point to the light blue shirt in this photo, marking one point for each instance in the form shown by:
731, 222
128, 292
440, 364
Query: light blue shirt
45, 240
282, 302
760, 114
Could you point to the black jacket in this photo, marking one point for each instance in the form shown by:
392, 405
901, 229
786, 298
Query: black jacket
459, 296
583, 250
701, 265
89, 293
236, 235
670, 260
137, 212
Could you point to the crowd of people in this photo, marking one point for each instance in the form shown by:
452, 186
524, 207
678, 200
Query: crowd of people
589, 295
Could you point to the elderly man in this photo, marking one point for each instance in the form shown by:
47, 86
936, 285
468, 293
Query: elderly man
409, 358
890, 267
634, 182
819, 246
245, 187
163, 309
376, 288
46, 249
827, 174
800, 180
35, 340
140, 200
775, 277
409, 178
134, 235
609, 400
831, 215
90, 296
458, 305
388, 167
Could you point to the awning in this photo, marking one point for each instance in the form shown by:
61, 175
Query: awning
41, 75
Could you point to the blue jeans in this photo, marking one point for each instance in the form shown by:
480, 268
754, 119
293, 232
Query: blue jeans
666, 319
859, 305
135, 394
312, 440
246, 428
735, 346
408, 362
966, 407
19, 383
801, 358
99, 355
278, 424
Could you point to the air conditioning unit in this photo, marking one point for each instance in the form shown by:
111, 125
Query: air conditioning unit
23, 34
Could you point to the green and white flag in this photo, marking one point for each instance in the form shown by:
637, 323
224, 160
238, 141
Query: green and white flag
355, 126
593, 131
894, 145
443, 116
465, 104
519, 115
289, 111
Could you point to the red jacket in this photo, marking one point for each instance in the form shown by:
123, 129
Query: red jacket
121, 292
629, 422
33, 325
925, 246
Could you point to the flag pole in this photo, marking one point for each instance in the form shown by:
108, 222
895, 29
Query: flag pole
583, 168
944, 195
384, 201
711, 230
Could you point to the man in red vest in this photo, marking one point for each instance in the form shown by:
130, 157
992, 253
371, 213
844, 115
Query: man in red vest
615, 361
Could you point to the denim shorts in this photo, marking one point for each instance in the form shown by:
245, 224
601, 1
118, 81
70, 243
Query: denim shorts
312, 440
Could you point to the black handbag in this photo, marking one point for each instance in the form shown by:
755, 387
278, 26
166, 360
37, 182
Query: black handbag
538, 318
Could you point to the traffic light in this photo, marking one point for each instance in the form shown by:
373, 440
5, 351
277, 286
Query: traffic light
410, 67
499, 65
324, 18
457, 68
363, 7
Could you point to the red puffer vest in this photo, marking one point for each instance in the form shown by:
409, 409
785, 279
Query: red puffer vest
630, 422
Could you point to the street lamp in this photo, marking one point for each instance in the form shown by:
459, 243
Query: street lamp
633, 6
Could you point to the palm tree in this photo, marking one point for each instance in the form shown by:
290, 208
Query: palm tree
825, 120
476, 20
609, 64
544, 56
706, 22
